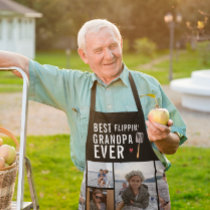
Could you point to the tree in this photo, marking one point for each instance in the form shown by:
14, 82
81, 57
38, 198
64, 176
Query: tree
146, 20
136, 19
63, 18
196, 15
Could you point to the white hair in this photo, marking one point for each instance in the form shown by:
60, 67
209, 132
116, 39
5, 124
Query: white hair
95, 25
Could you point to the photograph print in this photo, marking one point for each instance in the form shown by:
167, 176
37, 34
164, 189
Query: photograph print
100, 174
135, 186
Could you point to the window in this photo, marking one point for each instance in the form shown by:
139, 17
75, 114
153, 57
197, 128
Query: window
30, 28
20, 28
9, 29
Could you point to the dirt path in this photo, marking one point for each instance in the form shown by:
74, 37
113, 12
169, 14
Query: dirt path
150, 65
42, 119
45, 120
198, 123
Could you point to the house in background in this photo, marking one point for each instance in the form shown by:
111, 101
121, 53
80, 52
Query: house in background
17, 28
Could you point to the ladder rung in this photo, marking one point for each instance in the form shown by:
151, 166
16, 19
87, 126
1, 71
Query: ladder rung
26, 205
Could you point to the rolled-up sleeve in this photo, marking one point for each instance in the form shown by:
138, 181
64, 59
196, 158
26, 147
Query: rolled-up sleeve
179, 126
48, 85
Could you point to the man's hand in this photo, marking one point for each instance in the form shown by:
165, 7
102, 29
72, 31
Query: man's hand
161, 135
9, 59
158, 131
17, 73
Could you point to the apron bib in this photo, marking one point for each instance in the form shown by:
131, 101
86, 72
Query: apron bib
122, 170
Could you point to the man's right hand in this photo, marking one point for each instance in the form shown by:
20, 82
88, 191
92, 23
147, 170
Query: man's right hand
10, 59
17, 73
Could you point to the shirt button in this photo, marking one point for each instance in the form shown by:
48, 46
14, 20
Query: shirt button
109, 106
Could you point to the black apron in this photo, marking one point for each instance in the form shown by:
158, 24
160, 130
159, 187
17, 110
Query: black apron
122, 170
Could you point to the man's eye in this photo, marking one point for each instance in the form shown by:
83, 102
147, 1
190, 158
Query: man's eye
98, 51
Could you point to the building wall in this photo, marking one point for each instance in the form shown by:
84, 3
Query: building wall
17, 34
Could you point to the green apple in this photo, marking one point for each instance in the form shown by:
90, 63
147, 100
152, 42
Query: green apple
8, 153
159, 115
6, 165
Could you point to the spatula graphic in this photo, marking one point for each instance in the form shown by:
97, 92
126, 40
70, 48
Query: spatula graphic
139, 140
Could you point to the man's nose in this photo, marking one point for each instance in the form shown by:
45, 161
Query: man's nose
108, 54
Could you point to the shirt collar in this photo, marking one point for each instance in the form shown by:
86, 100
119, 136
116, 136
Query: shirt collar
123, 77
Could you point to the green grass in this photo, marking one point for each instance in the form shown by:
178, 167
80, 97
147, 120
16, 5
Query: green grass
183, 65
189, 178
133, 60
57, 180
59, 58
9, 82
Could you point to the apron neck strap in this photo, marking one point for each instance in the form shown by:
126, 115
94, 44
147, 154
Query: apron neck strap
133, 87
93, 96
135, 92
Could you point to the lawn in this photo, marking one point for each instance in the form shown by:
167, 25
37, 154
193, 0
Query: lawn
183, 65
189, 178
58, 181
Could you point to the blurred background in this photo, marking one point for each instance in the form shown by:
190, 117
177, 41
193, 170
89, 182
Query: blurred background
136, 19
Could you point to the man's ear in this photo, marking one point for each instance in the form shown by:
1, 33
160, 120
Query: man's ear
82, 55
121, 43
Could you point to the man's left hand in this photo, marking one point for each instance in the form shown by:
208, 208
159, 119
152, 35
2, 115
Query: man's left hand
161, 135
157, 132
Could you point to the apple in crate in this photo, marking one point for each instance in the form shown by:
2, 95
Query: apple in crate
8, 153
2, 162
159, 115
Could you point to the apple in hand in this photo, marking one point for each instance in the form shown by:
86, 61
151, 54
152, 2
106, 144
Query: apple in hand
159, 115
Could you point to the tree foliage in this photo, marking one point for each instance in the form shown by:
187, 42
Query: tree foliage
136, 19
196, 15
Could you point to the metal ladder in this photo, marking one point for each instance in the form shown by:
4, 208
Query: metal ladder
24, 162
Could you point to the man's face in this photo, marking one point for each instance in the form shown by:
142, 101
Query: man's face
103, 53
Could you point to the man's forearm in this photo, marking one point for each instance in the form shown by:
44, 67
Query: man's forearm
168, 145
8, 59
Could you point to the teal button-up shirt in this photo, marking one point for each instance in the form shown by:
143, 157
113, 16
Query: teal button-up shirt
69, 90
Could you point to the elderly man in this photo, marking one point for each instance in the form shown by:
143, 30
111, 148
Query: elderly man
104, 109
